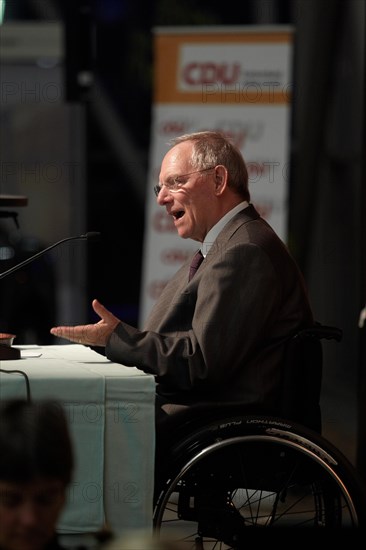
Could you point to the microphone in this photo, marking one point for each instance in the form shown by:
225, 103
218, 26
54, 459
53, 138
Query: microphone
8, 352
90, 236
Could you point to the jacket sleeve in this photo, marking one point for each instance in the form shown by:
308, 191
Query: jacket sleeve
218, 322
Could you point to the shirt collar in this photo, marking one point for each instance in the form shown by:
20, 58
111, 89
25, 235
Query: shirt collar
215, 230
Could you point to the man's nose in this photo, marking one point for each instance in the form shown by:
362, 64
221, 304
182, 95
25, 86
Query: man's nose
164, 196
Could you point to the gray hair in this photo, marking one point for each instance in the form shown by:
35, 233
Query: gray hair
211, 148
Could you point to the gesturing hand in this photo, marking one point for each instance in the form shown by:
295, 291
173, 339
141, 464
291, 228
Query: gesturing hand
96, 334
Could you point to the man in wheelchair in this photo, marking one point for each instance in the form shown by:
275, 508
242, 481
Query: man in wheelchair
232, 336
221, 335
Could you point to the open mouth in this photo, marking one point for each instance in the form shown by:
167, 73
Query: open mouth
178, 215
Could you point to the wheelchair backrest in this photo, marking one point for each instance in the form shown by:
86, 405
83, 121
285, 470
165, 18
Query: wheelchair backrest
302, 375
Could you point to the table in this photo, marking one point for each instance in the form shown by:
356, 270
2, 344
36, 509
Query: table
110, 410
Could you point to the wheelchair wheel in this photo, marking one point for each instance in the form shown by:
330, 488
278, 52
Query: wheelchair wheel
253, 472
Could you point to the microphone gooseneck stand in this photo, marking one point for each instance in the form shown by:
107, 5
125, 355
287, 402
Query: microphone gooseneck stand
8, 352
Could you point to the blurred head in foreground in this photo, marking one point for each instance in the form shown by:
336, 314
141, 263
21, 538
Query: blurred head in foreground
36, 464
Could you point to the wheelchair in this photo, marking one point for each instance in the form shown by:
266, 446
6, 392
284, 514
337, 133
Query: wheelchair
225, 468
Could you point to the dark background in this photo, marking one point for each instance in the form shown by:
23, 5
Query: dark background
112, 41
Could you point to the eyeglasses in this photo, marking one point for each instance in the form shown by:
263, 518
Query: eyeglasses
176, 183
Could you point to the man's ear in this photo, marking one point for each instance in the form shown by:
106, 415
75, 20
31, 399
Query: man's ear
221, 176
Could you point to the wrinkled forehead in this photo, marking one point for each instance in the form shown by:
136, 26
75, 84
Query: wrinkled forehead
177, 161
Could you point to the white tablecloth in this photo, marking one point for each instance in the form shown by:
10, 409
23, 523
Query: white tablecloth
110, 409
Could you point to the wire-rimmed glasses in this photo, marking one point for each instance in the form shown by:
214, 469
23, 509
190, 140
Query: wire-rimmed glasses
176, 183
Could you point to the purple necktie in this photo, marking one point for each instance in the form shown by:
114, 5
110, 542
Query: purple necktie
196, 262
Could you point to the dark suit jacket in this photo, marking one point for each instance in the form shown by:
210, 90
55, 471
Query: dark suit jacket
221, 336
